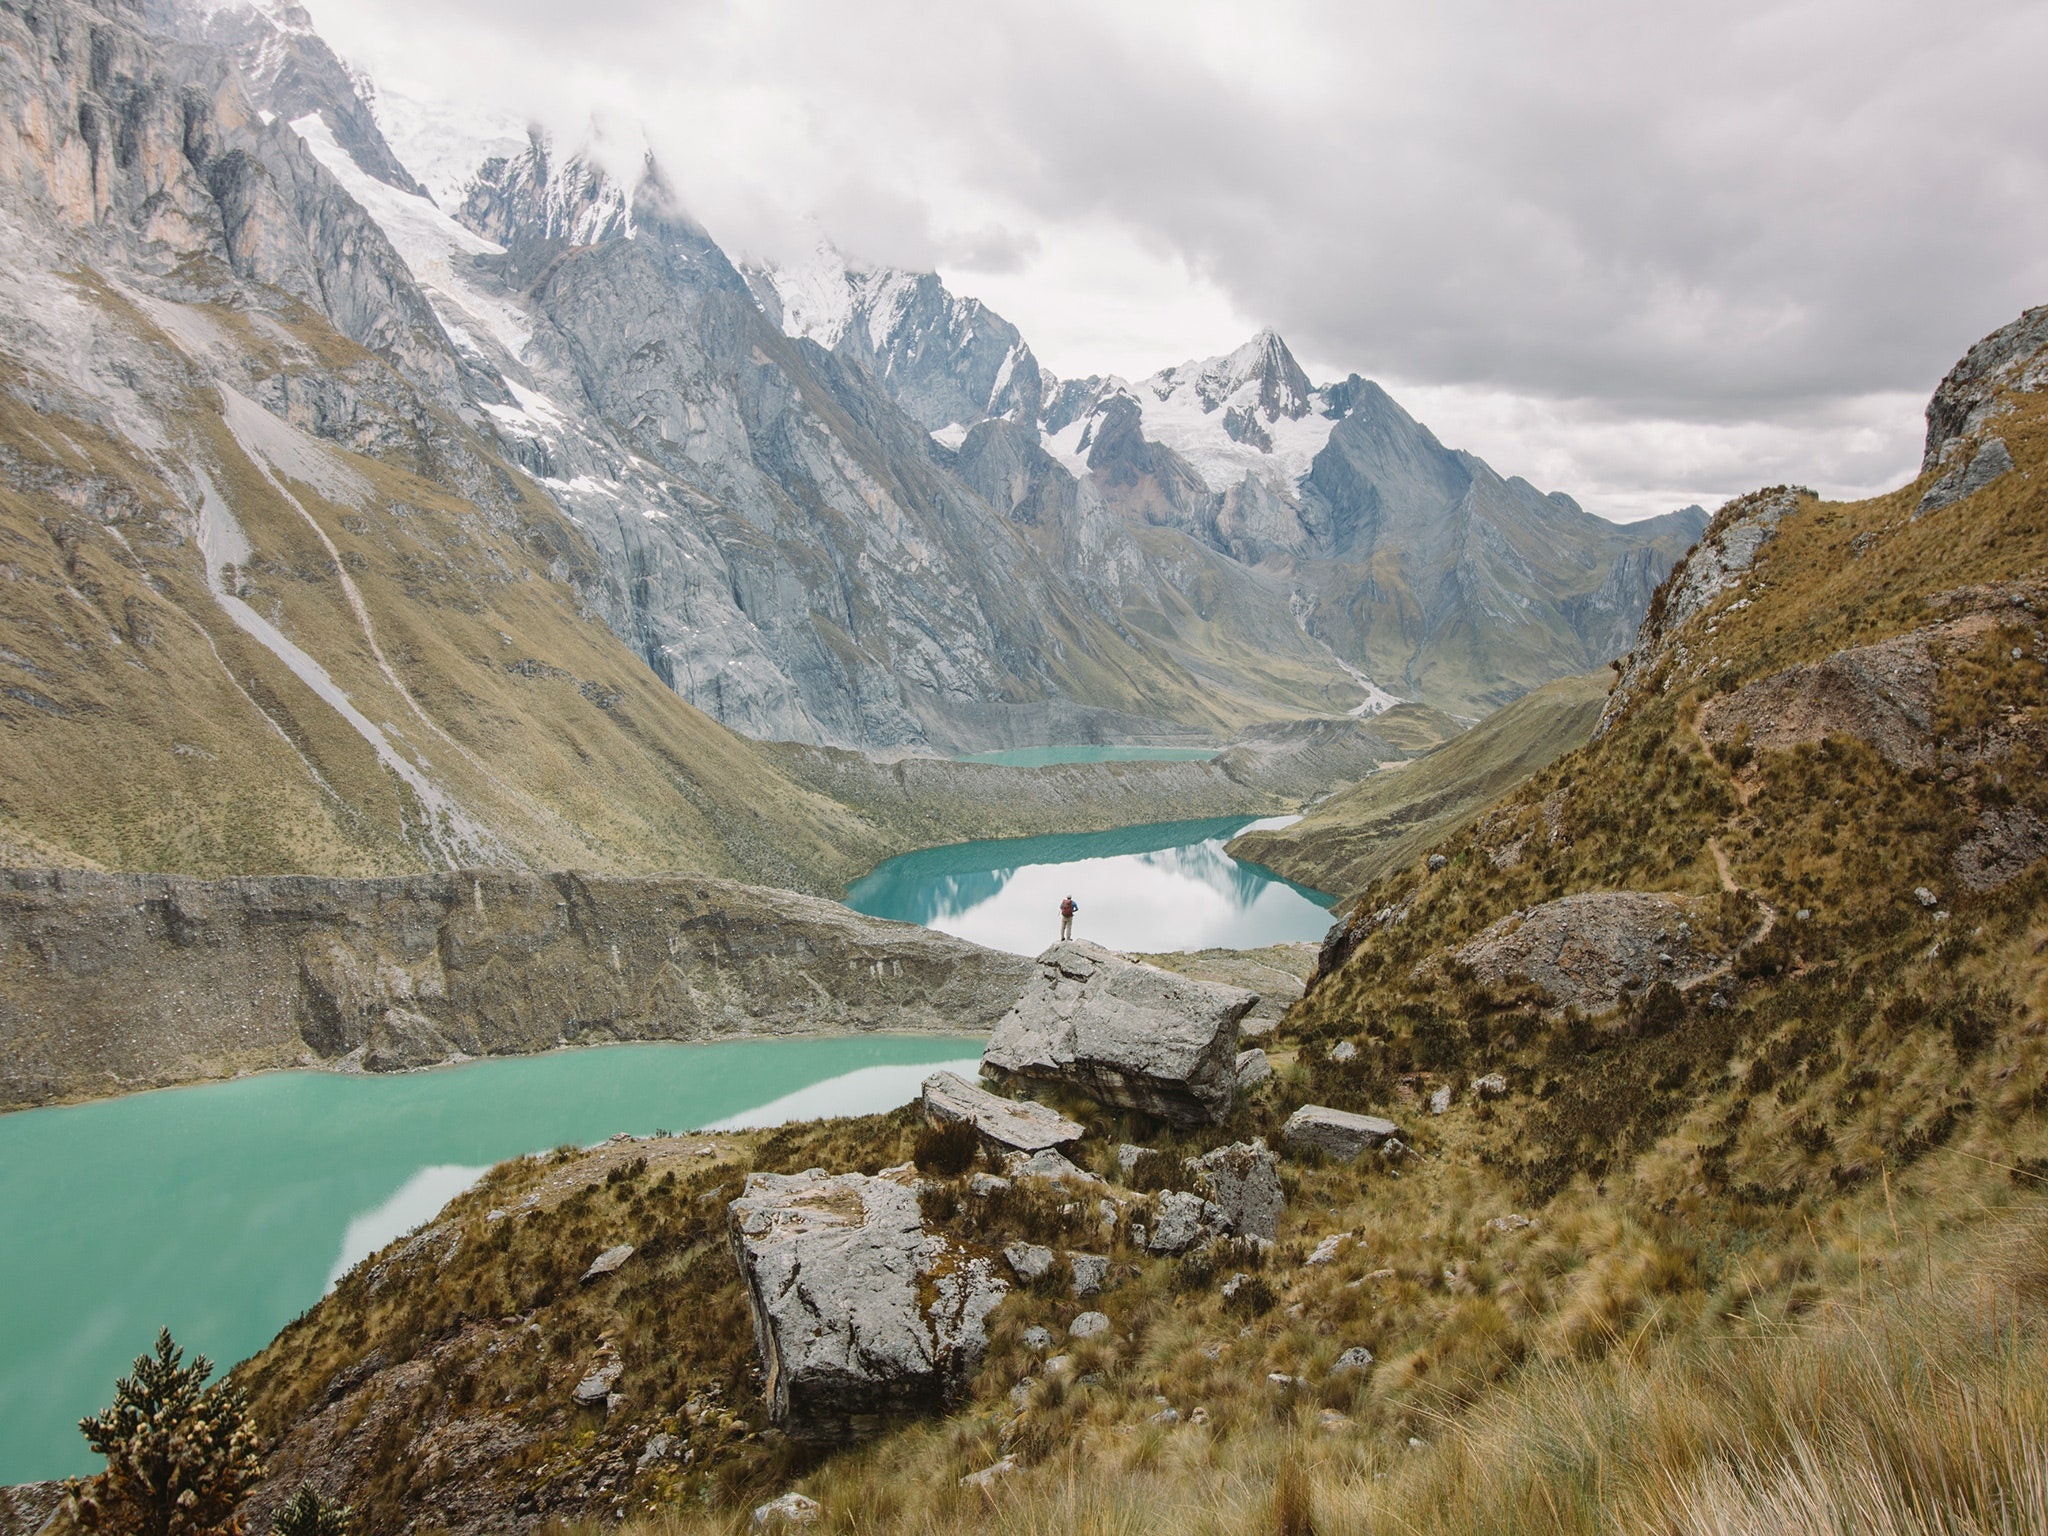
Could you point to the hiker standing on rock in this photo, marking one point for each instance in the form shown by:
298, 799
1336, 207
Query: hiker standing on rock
1067, 910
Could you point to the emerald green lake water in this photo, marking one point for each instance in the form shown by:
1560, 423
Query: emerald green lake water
1048, 757
225, 1210
1168, 886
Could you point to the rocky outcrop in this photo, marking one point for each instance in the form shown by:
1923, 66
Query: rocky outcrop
110, 983
1585, 950
1126, 1033
1967, 477
1718, 565
1883, 694
1336, 1132
2014, 357
1016, 1125
860, 1315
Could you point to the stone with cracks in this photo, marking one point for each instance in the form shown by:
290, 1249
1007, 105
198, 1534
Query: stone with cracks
1015, 1124
860, 1314
1253, 1068
1183, 1220
1243, 1180
1128, 1034
1337, 1132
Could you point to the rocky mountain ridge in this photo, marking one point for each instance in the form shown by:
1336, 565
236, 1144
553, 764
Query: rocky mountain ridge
1420, 568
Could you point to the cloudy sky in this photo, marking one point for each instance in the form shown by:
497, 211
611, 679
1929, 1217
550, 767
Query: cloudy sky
1645, 254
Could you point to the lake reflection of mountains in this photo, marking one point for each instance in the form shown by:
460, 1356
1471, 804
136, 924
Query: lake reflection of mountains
1165, 885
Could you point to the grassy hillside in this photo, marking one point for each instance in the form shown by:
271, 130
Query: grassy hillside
1385, 820
1766, 1251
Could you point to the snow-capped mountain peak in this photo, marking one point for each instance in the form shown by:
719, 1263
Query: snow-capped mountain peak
949, 361
1260, 377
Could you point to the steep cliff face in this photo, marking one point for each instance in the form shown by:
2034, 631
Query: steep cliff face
289, 71
118, 982
274, 595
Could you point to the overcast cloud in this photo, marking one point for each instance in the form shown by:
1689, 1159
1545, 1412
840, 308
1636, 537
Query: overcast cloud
1644, 254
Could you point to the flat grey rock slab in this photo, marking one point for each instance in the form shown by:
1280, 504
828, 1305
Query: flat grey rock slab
1125, 1033
860, 1314
1337, 1132
1046, 1165
608, 1261
597, 1386
1018, 1124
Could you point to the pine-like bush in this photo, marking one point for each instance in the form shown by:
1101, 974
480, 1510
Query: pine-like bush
180, 1454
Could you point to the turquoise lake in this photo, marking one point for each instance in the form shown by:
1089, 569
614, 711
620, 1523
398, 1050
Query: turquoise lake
1167, 886
1049, 757
223, 1211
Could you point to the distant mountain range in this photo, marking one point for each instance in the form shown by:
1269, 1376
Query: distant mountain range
1418, 566
839, 504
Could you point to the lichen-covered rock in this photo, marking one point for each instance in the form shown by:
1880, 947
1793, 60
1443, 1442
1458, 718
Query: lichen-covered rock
1128, 1034
860, 1314
1091, 1271
1243, 1181
1337, 1132
608, 1261
1016, 1124
1988, 463
1046, 1165
2012, 358
1184, 1220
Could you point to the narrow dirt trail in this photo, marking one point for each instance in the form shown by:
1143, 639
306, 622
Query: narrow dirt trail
1721, 865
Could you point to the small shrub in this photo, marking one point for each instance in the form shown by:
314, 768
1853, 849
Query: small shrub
1293, 1502
1662, 1007
948, 1150
1157, 1171
310, 1515
1252, 1298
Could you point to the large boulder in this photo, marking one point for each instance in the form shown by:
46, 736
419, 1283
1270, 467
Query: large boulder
1125, 1033
860, 1314
1015, 1124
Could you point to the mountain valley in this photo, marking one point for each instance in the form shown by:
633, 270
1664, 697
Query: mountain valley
453, 608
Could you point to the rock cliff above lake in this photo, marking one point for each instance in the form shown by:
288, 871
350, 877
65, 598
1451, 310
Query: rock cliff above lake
110, 983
